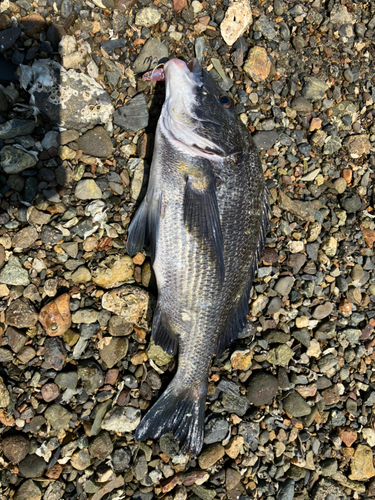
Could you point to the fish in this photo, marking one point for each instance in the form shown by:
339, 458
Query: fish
204, 215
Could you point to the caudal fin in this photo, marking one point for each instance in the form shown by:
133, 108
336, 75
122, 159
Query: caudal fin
180, 410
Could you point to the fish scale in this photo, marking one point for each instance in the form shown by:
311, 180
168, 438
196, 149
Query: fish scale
204, 214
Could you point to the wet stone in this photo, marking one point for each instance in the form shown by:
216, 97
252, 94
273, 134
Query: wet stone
133, 116
15, 447
15, 160
32, 466
91, 376
16, 339
50, 392
262, 389
15, 127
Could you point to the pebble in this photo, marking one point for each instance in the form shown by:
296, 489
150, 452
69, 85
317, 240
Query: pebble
131, 303
262, 388
133, 116
96, 142
115, 271
28, 491
14, 160
55, 316
121, 419
322, 311
257, 65
88, 189
32, 466
216, 430
16, 127
153, 52
101, 447
210, 455
21, 314
361, 464
81, 275
25, 238
237, 19
265, 140
295, 405
314, 89
15, 447
357, 145
50, 392
91, 376
113, 350
58, 417
284, 285
148, 16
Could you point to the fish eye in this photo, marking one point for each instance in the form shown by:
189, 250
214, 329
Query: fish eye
226, 101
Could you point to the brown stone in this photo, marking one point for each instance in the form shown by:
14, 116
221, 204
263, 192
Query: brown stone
211, 455
54, 472
179, 5
232, 478
345, 306
347, 435
369, 237
21, 314
25, 238
28, 491
233, 448
258, 64
56, 317
15, 448
357, 145
315, 124
331, 395
33, 24
347, 175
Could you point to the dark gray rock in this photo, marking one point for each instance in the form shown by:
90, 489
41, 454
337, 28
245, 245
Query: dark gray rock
216, 430
153, 52
32, 466
133, 116
262, 388
265, 140
96, 142
15, 127
286, 491
8, 37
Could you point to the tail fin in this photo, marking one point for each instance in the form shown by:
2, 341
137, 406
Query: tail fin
180, 410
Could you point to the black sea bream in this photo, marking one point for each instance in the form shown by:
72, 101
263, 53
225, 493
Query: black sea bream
205, 215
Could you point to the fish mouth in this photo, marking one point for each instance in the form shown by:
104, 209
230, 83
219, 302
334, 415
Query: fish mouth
178, 120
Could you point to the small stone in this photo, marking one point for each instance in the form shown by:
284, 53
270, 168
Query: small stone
258, 64
262, 388
295, 405
28, 491
58, 417
301, 105
284, 285
131, 303
351, 202
87, 189
21, 314
113, 350
210, 455
153, 52
179, 5
54, 353
241, 360
340, 185
148, 16
280, 356
50, 392
32, 466
314, 89
102, 446
332, 145
357, 145
322, 311
265, 140
8, 37
81, 275
15, 160
85, 316
238, 18
13, 273
347, 435
91, 376
216, 430
286, 491
50, 235
327, 489
234, 447
122, 419
133, 116
15, 447
362, 467
331, 395
55, 316
81, 459
96, 142
25, 238
15, 128
114, 271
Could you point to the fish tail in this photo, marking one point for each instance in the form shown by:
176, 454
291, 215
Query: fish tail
179, 410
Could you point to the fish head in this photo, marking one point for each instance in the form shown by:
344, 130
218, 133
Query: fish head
197, 116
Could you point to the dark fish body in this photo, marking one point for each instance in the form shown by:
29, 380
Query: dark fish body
205, 216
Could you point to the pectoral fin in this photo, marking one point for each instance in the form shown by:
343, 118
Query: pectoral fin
201, 215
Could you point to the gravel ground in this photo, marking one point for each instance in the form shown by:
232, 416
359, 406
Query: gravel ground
290, 407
